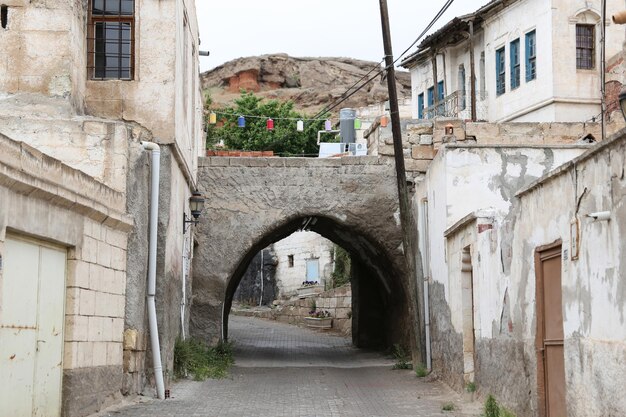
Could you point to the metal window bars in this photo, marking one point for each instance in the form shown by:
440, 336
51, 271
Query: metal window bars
111, 39
458, 105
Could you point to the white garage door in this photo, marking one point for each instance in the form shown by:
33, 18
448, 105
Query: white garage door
32, 304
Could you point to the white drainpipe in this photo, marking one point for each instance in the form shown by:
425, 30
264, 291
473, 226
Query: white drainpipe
152, 254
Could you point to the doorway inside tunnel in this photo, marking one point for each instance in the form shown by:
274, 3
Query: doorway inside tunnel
313, 268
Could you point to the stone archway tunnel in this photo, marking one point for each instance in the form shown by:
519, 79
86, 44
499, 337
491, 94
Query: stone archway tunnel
253, 202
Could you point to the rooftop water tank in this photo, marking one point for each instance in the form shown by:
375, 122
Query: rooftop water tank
346, 125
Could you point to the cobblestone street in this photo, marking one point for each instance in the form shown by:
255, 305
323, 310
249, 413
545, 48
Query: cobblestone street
287, 371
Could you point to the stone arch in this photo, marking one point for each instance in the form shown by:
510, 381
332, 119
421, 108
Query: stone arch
379, 296
251, 202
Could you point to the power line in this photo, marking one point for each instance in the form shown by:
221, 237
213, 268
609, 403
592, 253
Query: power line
344, 97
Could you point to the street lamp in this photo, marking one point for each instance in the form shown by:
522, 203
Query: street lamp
196, 204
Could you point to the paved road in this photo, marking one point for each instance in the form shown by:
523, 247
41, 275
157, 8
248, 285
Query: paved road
286, 371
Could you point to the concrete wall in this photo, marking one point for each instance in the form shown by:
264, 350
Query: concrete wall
302, 246
44, 199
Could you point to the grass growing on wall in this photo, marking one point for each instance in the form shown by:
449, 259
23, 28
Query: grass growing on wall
343, 266
193, 358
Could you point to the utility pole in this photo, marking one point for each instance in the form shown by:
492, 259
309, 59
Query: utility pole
407, 225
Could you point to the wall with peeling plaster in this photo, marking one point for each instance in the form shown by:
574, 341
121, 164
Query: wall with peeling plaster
480, 181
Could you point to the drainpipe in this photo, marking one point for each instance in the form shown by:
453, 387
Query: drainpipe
152, 254
261, 299
426, 268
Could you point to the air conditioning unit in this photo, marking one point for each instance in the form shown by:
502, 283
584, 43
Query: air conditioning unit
357, 149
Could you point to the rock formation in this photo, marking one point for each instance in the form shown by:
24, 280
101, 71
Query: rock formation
311, 83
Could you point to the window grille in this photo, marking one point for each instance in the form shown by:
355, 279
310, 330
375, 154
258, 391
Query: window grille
500, 72
420, 106
111, 39
585, 46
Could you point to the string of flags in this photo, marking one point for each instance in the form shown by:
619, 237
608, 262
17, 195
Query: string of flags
328, 126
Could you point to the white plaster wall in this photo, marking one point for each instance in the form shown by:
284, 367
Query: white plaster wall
303, 246
462, 180
500, 30
422, 80
594, 309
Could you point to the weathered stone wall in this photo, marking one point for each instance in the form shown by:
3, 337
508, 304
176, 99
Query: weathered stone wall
337, 301
69, 207
252, 202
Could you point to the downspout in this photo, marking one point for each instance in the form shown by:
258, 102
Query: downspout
183, 301
261, 299
435, 87
603, 68
155, 151
426, 266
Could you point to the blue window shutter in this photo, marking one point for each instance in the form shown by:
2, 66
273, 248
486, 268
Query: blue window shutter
527, 54
431, 96
440, 90
420, 106
515, 64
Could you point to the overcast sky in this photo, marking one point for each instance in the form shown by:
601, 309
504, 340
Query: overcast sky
237, 28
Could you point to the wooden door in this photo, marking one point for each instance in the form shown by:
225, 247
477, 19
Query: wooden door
32, 300
551, 362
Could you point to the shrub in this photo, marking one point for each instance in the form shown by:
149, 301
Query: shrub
420, 370
448, 407
470, 387
401, 357
192, 357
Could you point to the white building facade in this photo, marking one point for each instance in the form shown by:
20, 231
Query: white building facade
531, 60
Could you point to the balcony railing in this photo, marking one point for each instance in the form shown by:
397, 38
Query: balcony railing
458, 105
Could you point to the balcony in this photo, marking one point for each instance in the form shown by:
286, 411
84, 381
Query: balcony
458, 105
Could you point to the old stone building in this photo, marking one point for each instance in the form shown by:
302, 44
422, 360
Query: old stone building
81, 84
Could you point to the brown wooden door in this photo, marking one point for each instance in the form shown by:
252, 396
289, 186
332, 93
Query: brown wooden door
550, 333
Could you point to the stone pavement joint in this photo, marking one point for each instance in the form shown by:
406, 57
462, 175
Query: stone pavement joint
286, 371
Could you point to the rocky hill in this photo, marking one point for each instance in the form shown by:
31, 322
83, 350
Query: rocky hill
311, 83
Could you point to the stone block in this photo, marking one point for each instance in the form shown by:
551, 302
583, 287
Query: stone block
100, 354
423, 128
426, 140
116, 238
119, 283
76, 328
70, 355
114, 353
95, 277
440, 129
95, 128
423, 152
85, 354
72, 301
118, 258
96, 325
77, 274
89, 250
104, 254
87, 302
420, 165
130, 339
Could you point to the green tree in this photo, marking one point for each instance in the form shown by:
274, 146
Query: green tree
283, 140
343, 266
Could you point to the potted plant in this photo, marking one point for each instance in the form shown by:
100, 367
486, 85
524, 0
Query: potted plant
319, 319
309, 288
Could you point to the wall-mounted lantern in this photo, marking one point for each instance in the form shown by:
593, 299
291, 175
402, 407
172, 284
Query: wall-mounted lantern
196, 204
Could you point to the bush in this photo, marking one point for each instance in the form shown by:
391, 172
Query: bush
493, 409
420, 370
401, 357
448, 407
192, 357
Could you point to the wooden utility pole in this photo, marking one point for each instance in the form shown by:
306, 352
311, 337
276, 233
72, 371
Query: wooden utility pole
409, 231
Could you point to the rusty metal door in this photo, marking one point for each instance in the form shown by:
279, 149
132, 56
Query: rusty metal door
32, 300
550, 333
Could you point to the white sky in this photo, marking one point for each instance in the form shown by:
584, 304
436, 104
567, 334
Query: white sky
231, 29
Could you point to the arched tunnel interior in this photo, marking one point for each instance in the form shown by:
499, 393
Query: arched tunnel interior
380, 316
